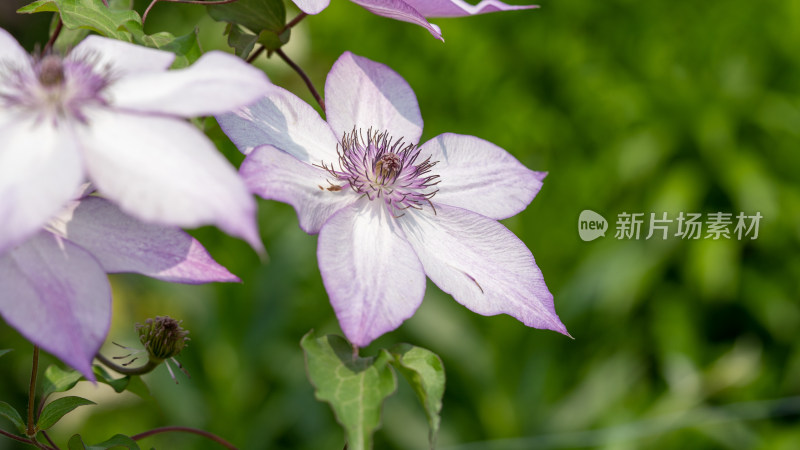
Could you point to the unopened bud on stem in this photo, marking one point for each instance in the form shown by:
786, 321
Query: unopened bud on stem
162, 337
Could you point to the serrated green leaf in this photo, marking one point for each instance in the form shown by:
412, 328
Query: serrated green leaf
255, 15
355, 387
11, 414
56, 409
4, 351
424, 371
57, 379
92, 15
117, 441
118, 384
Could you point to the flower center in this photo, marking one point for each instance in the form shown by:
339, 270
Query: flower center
54, 88
51, 71
387, 168
379, 167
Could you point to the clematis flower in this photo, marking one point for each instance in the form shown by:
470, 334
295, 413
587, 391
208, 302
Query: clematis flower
54, 286
111, 111
416, 11
388, 212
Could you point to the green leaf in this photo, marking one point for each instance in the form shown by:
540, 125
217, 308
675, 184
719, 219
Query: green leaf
117, 441
272, 40
57, 379
424, 371
138, 387
118, 384
56, 409
240, 41
4, 351
255, 15
355, 387
92, 15
11, 414
186, 48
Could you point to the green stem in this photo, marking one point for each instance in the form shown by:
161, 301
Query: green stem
203, 433
141, 370
31, 431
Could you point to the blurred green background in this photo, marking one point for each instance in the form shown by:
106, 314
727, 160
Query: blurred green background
657, 106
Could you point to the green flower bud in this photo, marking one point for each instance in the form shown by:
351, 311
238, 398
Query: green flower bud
162, 337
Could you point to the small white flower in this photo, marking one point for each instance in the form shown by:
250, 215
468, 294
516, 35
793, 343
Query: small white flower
389, 211
111, 112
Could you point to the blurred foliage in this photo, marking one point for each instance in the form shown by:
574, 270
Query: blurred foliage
631, 107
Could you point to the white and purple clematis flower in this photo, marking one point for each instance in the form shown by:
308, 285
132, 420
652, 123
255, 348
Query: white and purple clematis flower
387, 211
54, 287
110, 111
416, 11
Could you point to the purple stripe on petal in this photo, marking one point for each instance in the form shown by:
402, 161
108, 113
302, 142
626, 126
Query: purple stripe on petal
372, 276
122, 243
57, 296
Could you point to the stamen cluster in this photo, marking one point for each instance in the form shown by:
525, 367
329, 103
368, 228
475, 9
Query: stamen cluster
378, 167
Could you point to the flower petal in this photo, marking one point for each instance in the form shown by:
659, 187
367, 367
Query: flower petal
215, 83
164, 170
312, 6
12, 55
121, 58
400, 10
124, 244
40, 169
481, 264
458, 8
364, 94
284, 120
372, 276
480, 176
58, 297
276, 175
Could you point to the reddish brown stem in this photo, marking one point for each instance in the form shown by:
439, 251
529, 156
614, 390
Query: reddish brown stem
305, 78
203, 433
53, 38
256, 54
16, 438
